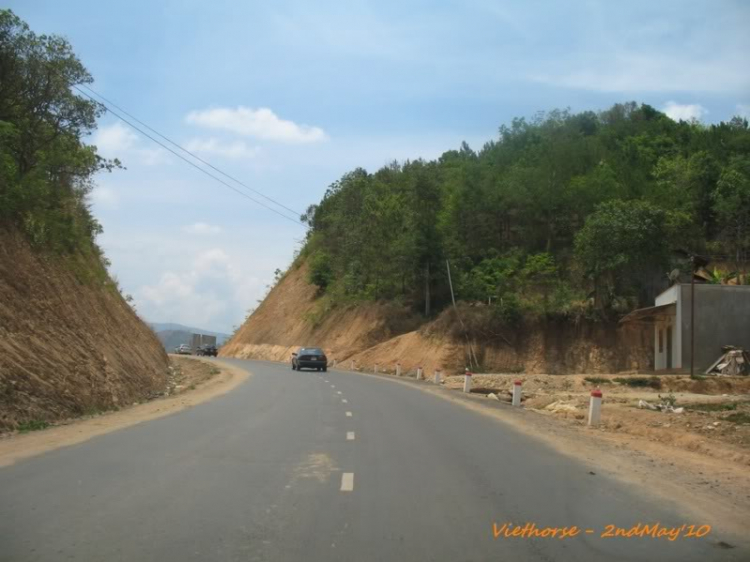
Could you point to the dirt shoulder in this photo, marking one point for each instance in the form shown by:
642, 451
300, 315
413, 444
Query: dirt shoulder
708, 478
192, 380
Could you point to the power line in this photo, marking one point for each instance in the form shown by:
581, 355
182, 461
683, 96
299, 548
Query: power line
193, 164
170, 141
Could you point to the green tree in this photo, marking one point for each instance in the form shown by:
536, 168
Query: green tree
732, 207
45, 169
619, 239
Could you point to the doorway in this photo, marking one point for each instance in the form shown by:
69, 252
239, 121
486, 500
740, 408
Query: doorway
669, 347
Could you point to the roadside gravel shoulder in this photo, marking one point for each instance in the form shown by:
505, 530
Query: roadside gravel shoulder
15, 447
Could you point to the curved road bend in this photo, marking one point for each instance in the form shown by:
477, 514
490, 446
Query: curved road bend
322, 467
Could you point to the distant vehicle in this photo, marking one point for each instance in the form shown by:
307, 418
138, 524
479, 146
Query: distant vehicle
184, 349
309, 358
207, 351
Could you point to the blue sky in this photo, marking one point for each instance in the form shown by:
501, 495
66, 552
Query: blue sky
288, 96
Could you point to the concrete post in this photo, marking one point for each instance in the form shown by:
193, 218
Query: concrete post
437, 376
419, 373
467, 381
376, 368
516, 394
334, 363
398, 369
351, 368
595, 407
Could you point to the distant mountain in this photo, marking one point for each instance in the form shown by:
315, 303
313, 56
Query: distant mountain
172, 334
173, 338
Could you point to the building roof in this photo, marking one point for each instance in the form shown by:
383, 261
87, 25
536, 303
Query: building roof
651, 313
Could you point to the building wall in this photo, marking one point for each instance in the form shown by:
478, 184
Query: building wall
671, 295
722, 317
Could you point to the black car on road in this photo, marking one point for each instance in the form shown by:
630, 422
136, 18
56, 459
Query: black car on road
207, 351
309, 358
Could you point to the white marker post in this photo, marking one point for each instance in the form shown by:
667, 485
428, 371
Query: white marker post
352, 365
376, 368
419, 373
516, 394
595, 407
334, 363
398, 369
467, 381
437, 376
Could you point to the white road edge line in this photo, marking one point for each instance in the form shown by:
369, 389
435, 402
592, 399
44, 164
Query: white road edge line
350, 436
347, 482
348, 414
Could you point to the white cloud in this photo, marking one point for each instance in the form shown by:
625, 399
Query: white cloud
202, 228
637, 72
236, 149
684, 112
105, 197
260, 123
118, 141
114, 138
212, 288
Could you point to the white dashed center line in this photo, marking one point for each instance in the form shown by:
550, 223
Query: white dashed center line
343, 401
348, 414
338, 392
347, 482
350, 436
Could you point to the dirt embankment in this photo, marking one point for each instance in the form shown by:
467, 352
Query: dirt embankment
68, 346
293, 315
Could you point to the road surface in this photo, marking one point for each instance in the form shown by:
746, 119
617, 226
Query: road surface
323, 467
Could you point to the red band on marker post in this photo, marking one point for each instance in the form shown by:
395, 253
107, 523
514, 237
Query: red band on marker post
596, 393
517, 383
467, 373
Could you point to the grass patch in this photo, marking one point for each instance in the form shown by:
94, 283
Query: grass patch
214, 371
597, 380
32, 425
738, 417
640, 382
714, 407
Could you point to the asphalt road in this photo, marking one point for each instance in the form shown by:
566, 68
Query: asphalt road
323, 467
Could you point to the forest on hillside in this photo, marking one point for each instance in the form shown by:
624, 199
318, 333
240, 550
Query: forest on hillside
46, 168
564, 214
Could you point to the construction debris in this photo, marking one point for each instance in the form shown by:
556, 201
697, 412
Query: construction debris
661, 407
560, 406
735, 361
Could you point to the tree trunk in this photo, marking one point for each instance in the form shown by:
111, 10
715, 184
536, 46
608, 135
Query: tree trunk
427, 292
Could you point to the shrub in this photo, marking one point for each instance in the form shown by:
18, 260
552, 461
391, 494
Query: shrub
509, 310
32, 425
321, 271
640, 382
738, 417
